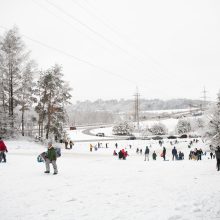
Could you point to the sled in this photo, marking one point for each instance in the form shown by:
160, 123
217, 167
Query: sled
42, 157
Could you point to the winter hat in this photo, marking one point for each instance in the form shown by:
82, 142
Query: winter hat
50, 143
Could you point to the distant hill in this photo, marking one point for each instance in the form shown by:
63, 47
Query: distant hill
122, 105
110, 111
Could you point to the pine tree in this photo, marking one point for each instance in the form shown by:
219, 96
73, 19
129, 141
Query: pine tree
53, 96
26, 92
13, 58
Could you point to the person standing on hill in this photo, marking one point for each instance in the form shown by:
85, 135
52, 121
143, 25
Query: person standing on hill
174, 153
164, 153
51, 157
3, 149
217, 154
146, 153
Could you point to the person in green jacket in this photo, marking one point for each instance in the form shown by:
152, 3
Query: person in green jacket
51, 157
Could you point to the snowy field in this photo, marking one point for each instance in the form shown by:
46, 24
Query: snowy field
96, 185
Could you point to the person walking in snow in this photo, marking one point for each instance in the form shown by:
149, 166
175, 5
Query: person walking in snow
211, 155
174, 153
3, 149
217, 154
51, 157
146, 153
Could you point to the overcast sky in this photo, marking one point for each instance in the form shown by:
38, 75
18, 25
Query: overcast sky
168, 49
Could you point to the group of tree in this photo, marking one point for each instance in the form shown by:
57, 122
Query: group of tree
123, 128
24, 88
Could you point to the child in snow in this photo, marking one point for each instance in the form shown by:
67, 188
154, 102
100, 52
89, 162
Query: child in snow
51, 157
154, 155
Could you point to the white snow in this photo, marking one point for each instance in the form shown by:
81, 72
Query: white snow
96, 185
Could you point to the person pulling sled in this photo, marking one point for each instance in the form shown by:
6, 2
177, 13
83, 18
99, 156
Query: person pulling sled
51, 157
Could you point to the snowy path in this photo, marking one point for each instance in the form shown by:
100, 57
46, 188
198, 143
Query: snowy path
102, 187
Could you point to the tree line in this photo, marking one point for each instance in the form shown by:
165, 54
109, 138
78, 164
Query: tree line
23, 87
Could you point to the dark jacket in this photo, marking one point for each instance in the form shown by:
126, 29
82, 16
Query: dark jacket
164, 151
51, 154
174, 151
147, 151
217, 154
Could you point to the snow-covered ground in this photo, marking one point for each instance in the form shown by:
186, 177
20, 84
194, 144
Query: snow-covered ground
96, 185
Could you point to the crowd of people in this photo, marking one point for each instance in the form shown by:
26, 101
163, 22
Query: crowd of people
51, 157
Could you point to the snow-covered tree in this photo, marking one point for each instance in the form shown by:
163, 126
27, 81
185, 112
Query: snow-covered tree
213, 126
13, 62
123, 128
53, 94
183, 126
158, 129
27, 91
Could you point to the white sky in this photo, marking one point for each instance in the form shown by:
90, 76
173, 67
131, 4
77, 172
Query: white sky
169, 49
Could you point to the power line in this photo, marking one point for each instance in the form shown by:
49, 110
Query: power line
70, 24
113, 29
74, 57
88, 27
100, 35
109, 41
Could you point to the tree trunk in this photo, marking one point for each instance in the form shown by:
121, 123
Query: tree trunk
22, 121
48, 117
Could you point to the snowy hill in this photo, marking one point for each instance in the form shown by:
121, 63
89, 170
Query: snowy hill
96, 185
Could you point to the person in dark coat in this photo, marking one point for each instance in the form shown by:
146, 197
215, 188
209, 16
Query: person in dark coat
3, 149
217, 154
174, 153
164, 153
146, 153
51, 157
199, 154
211, 155
154, 155
71, 144
120, 155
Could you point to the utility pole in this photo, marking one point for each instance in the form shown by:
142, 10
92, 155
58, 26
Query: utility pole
137, 108
204, 97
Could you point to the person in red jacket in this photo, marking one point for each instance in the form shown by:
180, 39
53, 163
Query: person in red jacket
3, 149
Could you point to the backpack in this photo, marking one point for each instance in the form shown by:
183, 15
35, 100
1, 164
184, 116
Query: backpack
58, 151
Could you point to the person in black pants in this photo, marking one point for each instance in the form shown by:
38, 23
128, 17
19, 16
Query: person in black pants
217, 154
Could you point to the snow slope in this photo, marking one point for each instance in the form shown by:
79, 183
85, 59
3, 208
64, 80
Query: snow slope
96, 185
